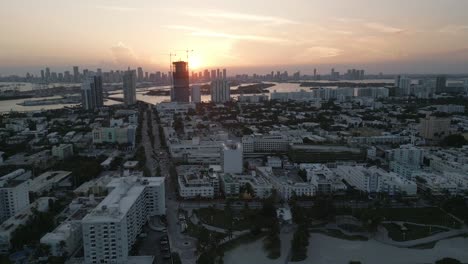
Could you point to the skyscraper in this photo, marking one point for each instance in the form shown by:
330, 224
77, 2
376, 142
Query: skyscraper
220, 89
91, 93
76, 74
47, 74
129, 87
181, 89
441, 84
403, 85
213, 75
140, 74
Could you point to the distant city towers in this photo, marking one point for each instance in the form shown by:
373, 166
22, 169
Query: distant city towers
129, 87
91, 93
180, 89
220, 88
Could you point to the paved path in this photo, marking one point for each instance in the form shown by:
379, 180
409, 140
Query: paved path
382, 237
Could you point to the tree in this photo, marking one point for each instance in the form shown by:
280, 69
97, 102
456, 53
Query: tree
448, 261
456, 140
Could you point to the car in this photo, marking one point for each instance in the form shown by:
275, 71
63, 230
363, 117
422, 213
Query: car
163, 242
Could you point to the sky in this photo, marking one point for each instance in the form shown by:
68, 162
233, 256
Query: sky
398, 36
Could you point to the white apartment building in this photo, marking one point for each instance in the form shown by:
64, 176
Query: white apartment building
285, 186
48, 180
20, 218
374, 180
231, 157
408, 155
122, 135
62, 151
64, 239
111, 229
389, 139
196, 151
14, 195
174, 107
195, 181
433, 128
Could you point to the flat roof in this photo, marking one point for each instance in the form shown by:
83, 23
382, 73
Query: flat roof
126, 191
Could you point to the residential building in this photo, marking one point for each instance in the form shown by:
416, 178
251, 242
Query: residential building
195, 94
111, 229
434, 128
62, 151
92, 93
231, 157
129, 87
14, 195
220, 90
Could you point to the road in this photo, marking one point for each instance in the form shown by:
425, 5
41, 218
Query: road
157, 156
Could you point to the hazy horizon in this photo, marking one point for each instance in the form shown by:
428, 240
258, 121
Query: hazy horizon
243, 36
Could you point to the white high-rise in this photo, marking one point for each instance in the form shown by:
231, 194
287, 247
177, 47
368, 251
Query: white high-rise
404, 85
111, 229
129, 87
196, 95
220, 88
14, 193
231, 157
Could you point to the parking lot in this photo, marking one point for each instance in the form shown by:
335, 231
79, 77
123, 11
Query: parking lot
151, 246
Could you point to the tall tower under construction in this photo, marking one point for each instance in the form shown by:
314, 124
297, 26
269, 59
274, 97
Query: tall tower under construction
180, 89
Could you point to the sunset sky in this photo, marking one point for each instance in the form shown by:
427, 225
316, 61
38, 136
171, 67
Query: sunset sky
420, 36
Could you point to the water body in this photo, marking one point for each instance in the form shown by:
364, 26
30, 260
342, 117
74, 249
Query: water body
325, 250
12, 105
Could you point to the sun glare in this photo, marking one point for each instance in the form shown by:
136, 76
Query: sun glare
195, 62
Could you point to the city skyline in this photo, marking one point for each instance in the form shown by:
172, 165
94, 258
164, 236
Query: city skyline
386, 37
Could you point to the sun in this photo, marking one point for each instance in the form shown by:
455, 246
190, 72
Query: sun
195, 62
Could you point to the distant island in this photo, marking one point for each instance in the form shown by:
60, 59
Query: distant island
342, 84
205, 89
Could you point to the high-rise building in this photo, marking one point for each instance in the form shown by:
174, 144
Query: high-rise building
140, 74
14, 193
129, 87
231, 157
47, 74
42, 75
403, 85
76, 74
213, 75
441, 84
111, 229
181, 89
434, 128
196, 95
91, 93
220, 89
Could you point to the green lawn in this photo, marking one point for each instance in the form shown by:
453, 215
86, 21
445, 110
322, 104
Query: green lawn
412, 232
428, 216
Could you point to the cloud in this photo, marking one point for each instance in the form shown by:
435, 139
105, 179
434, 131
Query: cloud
214, 34
454, 29
323, 52
123, 55
118, 8
383, 28
244, 17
